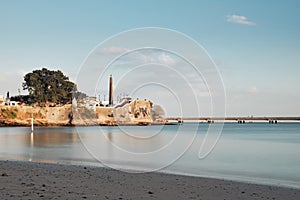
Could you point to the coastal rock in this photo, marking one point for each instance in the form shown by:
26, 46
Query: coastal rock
137, 112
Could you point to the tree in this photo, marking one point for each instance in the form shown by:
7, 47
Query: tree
79, 96
49, 86
157, 112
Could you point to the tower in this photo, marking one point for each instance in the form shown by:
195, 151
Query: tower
110, 91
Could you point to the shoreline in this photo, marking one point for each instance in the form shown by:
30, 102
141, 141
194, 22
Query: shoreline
83, 125
32, 180
153, 124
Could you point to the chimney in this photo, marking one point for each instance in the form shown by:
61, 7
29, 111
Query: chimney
110, 90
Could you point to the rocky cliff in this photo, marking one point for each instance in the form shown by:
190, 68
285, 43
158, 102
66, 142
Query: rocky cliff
138, 112
43, 116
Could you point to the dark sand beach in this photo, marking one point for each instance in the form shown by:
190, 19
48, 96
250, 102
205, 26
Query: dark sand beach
28, 180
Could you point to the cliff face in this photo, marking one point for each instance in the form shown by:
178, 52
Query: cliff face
43, 116
138, 112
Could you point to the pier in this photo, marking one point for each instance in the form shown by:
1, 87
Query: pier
240, 120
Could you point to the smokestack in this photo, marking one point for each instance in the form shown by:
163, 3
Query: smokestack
110, 90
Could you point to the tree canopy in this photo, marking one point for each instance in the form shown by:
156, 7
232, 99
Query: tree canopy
49, 86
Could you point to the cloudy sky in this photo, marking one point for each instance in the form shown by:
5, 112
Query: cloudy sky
255, 44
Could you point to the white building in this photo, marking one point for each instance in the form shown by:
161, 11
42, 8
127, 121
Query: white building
13, 103
105, 103
90, 103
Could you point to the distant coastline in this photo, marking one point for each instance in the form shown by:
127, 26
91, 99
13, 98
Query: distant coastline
137, 112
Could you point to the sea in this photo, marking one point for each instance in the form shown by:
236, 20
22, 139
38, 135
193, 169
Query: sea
252, 152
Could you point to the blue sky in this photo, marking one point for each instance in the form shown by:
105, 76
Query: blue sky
255, 44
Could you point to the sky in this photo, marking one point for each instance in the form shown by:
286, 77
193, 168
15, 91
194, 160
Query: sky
254, 44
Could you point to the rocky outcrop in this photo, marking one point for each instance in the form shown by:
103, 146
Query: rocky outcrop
43, 116
137, 112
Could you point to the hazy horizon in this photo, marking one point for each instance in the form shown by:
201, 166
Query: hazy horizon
255, 45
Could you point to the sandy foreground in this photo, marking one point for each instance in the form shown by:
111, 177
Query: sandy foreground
28, 180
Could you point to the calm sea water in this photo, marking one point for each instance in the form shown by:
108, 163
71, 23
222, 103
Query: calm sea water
254, 152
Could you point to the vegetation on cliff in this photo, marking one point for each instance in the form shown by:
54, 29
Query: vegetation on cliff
8, 113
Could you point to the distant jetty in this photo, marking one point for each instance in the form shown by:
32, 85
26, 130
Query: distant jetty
241, 120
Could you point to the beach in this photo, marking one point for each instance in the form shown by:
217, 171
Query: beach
29, 180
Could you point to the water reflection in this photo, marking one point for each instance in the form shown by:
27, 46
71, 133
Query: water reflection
44, 144
140, 140
110, 136
257, 151
137, 147
31, 139
50, 139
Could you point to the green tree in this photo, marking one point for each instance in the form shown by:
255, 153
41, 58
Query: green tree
49, 86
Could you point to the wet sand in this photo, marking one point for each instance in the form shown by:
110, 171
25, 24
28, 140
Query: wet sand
27, 180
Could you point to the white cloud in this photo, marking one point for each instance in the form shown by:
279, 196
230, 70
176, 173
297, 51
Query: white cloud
113, 50
166, 59
239, 19
138, 57
253, 90
146, 57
